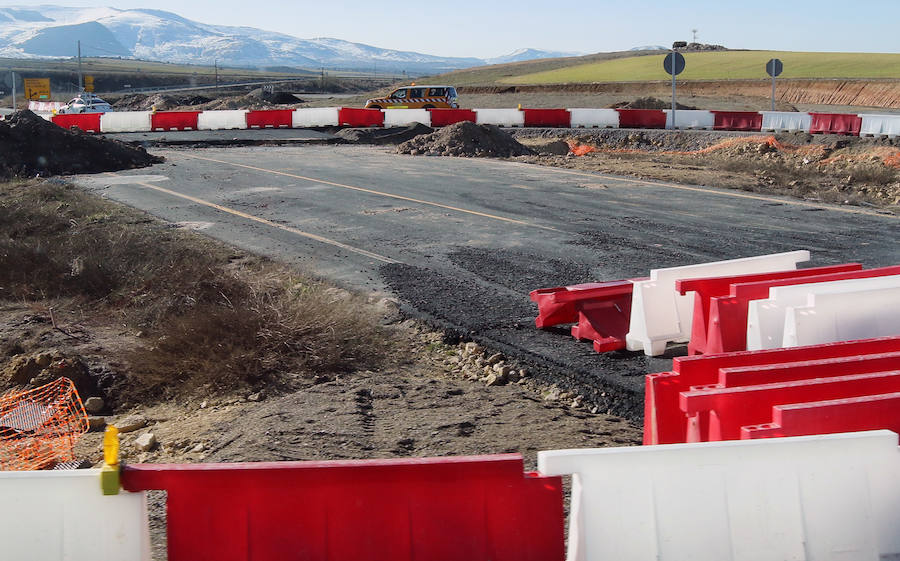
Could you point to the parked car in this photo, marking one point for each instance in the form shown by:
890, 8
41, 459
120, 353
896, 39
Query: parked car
86, 103
417, 97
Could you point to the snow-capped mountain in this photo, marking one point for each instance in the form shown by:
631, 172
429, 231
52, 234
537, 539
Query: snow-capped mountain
53, 31
528, 54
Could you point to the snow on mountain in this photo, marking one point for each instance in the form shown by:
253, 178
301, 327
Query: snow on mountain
52, 31
528, 54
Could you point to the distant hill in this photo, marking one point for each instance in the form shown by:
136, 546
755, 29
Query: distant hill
52, 31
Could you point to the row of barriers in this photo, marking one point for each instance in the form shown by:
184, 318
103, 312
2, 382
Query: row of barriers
749, 121
754, 303
824, 498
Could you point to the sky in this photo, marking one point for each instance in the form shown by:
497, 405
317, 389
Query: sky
464, 28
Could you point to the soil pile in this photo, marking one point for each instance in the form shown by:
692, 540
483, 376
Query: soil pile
31, 145
466, 139
391, 135
160, 102
648, 103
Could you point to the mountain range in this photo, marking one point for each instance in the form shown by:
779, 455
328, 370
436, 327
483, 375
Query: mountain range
53, 31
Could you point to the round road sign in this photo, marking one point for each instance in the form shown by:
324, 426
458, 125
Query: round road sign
774, 67
679, 63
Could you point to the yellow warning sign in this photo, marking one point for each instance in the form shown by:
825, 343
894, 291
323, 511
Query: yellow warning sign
37, 89
88, 83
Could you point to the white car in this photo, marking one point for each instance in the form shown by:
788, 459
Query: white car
86, 103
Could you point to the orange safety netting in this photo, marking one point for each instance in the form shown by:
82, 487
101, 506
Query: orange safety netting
39, 427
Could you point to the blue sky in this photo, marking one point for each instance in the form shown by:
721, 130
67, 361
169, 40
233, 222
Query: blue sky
493, 28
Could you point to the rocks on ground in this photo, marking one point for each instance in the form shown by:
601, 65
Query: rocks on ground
390, 135
31, 146
466, 139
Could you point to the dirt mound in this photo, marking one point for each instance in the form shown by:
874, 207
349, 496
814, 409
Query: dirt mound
280, 98
648, 103
32, 146
391, 135
466, 139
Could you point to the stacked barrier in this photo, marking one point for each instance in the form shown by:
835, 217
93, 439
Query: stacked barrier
706, 397
473, 508
824, 497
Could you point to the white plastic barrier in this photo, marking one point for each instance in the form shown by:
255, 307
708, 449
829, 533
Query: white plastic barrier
828, 318
45, 106
880, 125
402, 117
814, 498
659, 314
588, 118
315, 117
788, 121
222, 120
766, 317
691, 119
500, 117
125, 121
64, 516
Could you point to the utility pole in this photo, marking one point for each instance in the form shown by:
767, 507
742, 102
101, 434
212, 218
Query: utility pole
216, 66
80, 78
13, 74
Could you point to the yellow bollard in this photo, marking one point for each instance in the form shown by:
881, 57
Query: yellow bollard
109, 473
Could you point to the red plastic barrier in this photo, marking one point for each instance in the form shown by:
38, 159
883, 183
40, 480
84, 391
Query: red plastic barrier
711, 287
174, 120
871, 412
547, 118
472, 508
737, 120
604, 315
360, 117
728, 314
88, 122
835, 123
445, 117
641, 119
270, 118
557, 305
806, 370
663, 419
729, 409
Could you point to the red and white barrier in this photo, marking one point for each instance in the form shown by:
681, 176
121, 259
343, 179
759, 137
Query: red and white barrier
403, 117
500, 117
222, 120
690, 119
880, 125
835, 123
87, 122
594, 118
754, 499
786, 121
831, 317
125, 121
749, 121
174, 120
351, 117
554, 118
63, 515
270, 119
445, 117
660, 315
45, 106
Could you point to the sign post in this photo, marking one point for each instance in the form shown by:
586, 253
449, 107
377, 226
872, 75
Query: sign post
37, 89
773, 69
673, 64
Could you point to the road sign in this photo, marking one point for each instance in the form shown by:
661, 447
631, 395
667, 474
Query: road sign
88, 83
679, 63
37, 89
774, 67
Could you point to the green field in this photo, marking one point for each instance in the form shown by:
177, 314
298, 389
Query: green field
721, 65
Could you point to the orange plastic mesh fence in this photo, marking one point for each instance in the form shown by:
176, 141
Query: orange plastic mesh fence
39, 427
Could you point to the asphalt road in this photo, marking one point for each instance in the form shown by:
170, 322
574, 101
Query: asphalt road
461, 242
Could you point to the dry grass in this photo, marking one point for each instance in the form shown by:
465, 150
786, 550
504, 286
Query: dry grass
212, 319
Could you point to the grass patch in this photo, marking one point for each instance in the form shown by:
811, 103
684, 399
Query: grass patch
211, 319
719, 65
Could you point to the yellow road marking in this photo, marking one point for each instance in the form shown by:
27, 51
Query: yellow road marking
725, 193
235, 212
374, 192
